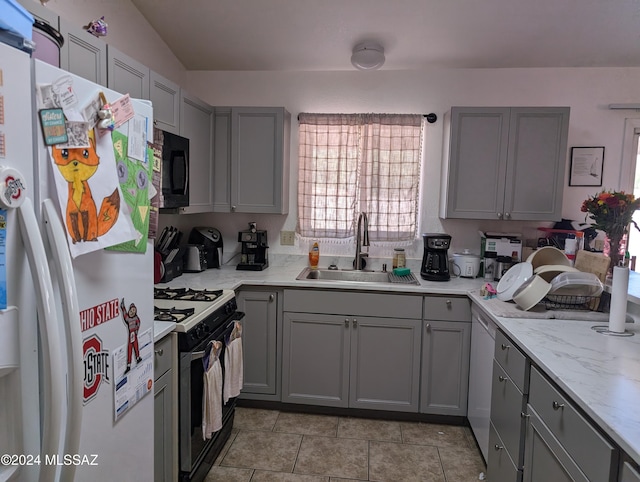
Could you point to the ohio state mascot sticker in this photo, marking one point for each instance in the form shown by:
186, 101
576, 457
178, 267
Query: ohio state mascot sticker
96, 366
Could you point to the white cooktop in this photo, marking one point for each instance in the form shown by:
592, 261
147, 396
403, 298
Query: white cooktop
202, 309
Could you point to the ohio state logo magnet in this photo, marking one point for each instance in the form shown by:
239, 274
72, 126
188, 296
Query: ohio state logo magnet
12, 187
96, 366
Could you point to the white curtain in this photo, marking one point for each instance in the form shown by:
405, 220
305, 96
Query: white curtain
359, 162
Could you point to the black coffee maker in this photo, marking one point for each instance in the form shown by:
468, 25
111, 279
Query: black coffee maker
435, 262
253, 255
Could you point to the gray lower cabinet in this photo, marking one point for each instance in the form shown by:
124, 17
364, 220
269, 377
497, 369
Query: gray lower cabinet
509, 389
561, 443
252, 159
446, 345
83, 54
165, 410
196, 124
126, 75
628, 473
165, 96
505, 163
260, 329
354, 359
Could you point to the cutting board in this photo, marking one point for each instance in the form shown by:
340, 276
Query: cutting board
596, 263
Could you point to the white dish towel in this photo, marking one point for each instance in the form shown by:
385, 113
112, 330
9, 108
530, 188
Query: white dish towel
233, 378
212, 394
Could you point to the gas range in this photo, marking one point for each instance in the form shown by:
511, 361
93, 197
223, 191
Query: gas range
188, 307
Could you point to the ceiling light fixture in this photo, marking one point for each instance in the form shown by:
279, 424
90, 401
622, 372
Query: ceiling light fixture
367, 56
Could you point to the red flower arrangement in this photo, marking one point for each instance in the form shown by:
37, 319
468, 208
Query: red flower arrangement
612, 213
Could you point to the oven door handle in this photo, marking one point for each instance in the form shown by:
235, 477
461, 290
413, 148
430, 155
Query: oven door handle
237, 316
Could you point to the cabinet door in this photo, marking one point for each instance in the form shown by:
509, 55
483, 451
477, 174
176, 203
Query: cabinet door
196, 124
445, 367
259, 329
385, 363
537, 159
478, 146
163, 433
83, 54
545, 459
127, 75
259, 160
222, 160
165, 96
315, 359
628, 473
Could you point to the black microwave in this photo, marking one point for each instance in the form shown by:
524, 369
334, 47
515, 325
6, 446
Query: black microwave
175, 170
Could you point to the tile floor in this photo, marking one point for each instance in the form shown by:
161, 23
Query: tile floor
270, 445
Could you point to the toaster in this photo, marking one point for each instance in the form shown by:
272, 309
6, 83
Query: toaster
195, 259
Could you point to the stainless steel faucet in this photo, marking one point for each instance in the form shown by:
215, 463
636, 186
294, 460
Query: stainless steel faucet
361, 241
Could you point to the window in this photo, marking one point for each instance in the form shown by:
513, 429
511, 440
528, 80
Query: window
350, 163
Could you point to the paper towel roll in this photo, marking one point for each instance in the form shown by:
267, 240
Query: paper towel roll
619, 289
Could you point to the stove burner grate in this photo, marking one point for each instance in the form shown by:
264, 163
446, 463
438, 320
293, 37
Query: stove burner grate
172, 314
185, 294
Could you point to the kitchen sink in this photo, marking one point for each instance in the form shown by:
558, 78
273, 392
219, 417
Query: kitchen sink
344, 275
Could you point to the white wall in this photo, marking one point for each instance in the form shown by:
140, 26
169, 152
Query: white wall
587, 91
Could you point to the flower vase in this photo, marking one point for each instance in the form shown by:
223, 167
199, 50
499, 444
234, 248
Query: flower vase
615, 247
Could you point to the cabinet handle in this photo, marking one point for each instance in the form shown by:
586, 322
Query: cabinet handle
355, 323
427, 327
499, 215
159, 352
507, 215
346, 322
524, 415
271, 298
498, 447
557, 406
448, 302
502, 379
233, 208
505, 347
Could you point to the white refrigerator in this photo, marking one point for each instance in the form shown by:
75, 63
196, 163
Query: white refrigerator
76, 336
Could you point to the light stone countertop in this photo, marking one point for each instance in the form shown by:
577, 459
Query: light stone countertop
600, 373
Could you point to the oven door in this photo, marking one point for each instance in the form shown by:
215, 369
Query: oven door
193, 449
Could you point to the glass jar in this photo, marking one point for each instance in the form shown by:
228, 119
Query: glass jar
399, 259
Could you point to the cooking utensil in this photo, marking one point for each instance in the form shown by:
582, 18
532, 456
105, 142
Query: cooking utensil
548, 255
549, 271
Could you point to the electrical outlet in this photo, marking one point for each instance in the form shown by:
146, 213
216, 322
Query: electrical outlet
287, 238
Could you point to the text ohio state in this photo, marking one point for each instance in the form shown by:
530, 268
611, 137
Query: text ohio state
99, 314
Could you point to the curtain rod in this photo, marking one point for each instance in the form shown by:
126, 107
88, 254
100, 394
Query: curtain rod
431, 117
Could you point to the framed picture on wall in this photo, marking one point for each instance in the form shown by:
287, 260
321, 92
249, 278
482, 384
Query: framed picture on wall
586, 166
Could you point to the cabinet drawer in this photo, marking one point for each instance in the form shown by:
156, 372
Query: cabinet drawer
447, 308
500, 466
162, 357
353, 303
595, 456
513, 361
507, 403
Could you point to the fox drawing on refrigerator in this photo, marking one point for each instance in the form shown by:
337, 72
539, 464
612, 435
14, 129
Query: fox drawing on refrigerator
84, 221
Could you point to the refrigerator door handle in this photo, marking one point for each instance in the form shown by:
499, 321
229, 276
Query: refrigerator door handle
54, 380
71, 311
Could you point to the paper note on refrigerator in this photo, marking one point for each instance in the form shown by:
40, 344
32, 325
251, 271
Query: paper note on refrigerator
90, 198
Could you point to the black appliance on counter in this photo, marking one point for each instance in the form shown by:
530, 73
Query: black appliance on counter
174, 182
435, 261
253, 255
211, 239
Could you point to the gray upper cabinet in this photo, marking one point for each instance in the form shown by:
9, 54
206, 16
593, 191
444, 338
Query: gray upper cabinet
196, 124
259, 340
165, 96
127, 75
83, 54
505, 163
252, 159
